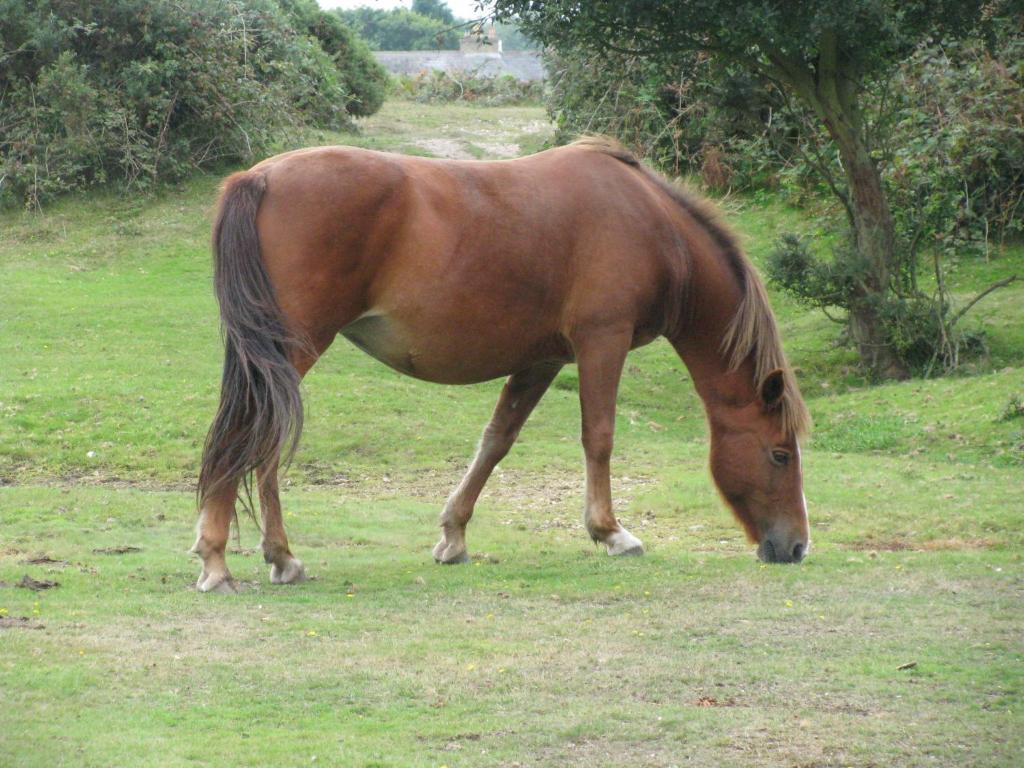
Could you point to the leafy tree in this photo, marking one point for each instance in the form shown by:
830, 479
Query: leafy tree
434, 9
825, 54
399, 29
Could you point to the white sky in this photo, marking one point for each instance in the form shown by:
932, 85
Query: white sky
463, 9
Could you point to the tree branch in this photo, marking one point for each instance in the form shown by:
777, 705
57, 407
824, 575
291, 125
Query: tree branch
995, 286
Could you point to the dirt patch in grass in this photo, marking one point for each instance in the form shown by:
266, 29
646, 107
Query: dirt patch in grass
99, 480
932, 545
124, 549
46, 560
499, 149
536, 499
452, 149
36, 585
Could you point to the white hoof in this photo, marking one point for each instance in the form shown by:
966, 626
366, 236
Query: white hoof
450, 554
221, 583
292, 573
622, 542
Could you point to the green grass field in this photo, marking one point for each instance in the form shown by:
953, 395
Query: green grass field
898, 642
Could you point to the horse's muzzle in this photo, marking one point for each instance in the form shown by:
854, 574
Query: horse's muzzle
772, 551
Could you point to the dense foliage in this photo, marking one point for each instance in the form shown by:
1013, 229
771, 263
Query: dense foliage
955, 152
918, 142
437, 86
675, 111
400, 29
952, 155
365, 80
434, 9
135, 91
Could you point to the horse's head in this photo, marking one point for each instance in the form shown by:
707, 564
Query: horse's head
755, 462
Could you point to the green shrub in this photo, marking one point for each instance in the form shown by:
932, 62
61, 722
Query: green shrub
437, 86
923, 330
136, 91
675, 110
365, 80
957, 159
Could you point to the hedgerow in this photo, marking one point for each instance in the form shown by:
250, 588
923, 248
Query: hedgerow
138, 91
437, 86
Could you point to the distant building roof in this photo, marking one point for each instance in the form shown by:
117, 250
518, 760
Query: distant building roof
522, 65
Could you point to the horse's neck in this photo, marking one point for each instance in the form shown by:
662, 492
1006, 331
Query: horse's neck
713, 295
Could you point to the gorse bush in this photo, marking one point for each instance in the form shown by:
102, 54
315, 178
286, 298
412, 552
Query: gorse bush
675, 110
365, 80
136, 91
923, 329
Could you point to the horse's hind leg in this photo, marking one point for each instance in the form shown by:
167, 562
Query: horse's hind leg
600, 361
522, 391
212, 538
285, 568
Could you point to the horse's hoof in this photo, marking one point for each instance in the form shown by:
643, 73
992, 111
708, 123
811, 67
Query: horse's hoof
445, 554
439, 549
221, 583
450, 554
622, 543
292, 573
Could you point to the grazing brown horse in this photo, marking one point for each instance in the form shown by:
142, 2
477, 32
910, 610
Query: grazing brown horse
458, 272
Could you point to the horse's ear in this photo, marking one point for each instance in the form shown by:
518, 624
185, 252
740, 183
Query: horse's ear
773, 387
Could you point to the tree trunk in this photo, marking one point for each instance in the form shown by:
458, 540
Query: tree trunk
875, 238
832, 93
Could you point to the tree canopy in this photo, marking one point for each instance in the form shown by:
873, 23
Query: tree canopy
400, 29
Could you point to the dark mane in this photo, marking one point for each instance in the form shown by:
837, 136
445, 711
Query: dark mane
753, 332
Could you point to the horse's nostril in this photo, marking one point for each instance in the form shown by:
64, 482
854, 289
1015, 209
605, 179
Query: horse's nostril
798, 553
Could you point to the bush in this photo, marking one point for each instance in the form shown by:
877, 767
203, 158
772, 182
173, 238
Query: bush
673, 110
437, 86
135, 91
365, 80
923, 330
957, 163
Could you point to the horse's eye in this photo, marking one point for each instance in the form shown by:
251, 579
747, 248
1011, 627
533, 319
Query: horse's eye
780, 458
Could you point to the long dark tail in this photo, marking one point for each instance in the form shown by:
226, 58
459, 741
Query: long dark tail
260, 413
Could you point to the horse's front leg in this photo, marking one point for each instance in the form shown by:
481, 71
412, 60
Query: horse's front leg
285, 568
522, 391
600, 360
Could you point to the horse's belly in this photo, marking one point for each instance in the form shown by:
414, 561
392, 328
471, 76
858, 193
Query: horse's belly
452, 356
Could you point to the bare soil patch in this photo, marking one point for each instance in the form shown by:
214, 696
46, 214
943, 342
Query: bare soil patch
36, 585
121, 550
452, 149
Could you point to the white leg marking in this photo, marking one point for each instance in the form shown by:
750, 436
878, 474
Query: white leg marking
622, 542
292, 573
